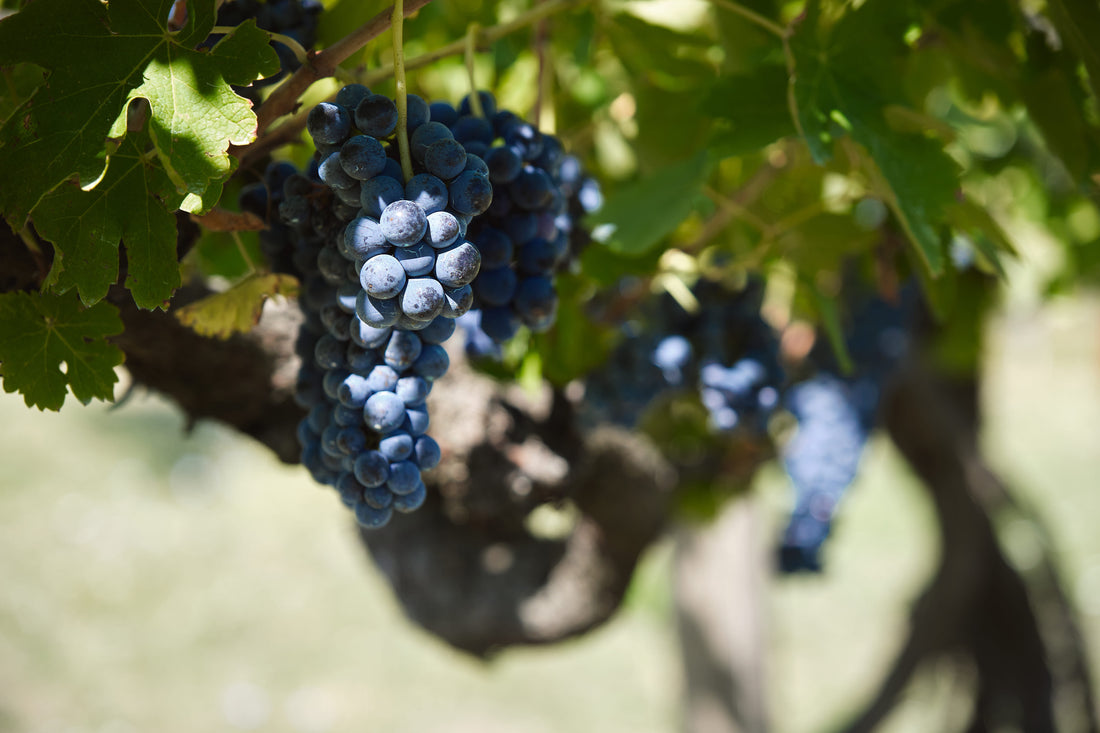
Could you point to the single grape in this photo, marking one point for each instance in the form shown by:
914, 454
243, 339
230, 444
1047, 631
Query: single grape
457, 265
384, 411
403, 223
382, 276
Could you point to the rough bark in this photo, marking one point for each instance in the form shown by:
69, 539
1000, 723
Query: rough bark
1032, 675
719, 584
468, 566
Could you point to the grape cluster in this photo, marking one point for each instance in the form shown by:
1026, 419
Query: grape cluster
725, 351
386, 266
278, 241
365, 387
836, 412
408, 238
821, 460
529, 230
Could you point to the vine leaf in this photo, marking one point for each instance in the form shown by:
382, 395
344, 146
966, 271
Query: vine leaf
834, 91
238, 309
131, 204
41, 332
99, 58
1078, 23
638, 216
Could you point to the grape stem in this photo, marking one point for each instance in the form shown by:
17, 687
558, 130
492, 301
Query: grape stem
754, 17
322, 64
471, 48
252, 269
401, 96
484, 36
541, 53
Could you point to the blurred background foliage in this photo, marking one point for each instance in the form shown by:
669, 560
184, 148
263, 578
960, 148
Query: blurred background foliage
163, 579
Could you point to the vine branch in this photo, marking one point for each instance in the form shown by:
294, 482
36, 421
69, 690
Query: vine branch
323, 64
402, 92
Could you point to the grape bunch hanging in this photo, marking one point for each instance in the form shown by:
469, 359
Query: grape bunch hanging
389, 262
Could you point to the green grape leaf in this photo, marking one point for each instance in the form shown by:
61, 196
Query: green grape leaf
835, 91
49, 342
656, 51
638, 216
101, 57
21, 80
987, 236
752, 110
238, 309
131, 204
1078, 23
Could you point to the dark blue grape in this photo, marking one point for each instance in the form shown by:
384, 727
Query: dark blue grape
368, 336
362, 157
504, 165
329, 352
353, 391
417, 112
426, 135
432, 363
328, 123
423, 299
488, 104
495, 287
382, 277
404, 223
379, 192
378, 497
470, 193
417, 260
363, 239
537, 257
536, 302
331, 170
521, 226
404, 475
371, 518
413, 390
457, 265
383, 378
376, 115
372, 469
495, 248
427, 192
499, 322
427, 452
351, 95
402, 350
351, 441
532, 188
438, 331
457, 301
468, 130
376, 312
443, 113
445, 158
384, 412
411, 501
443, 229
396, 446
